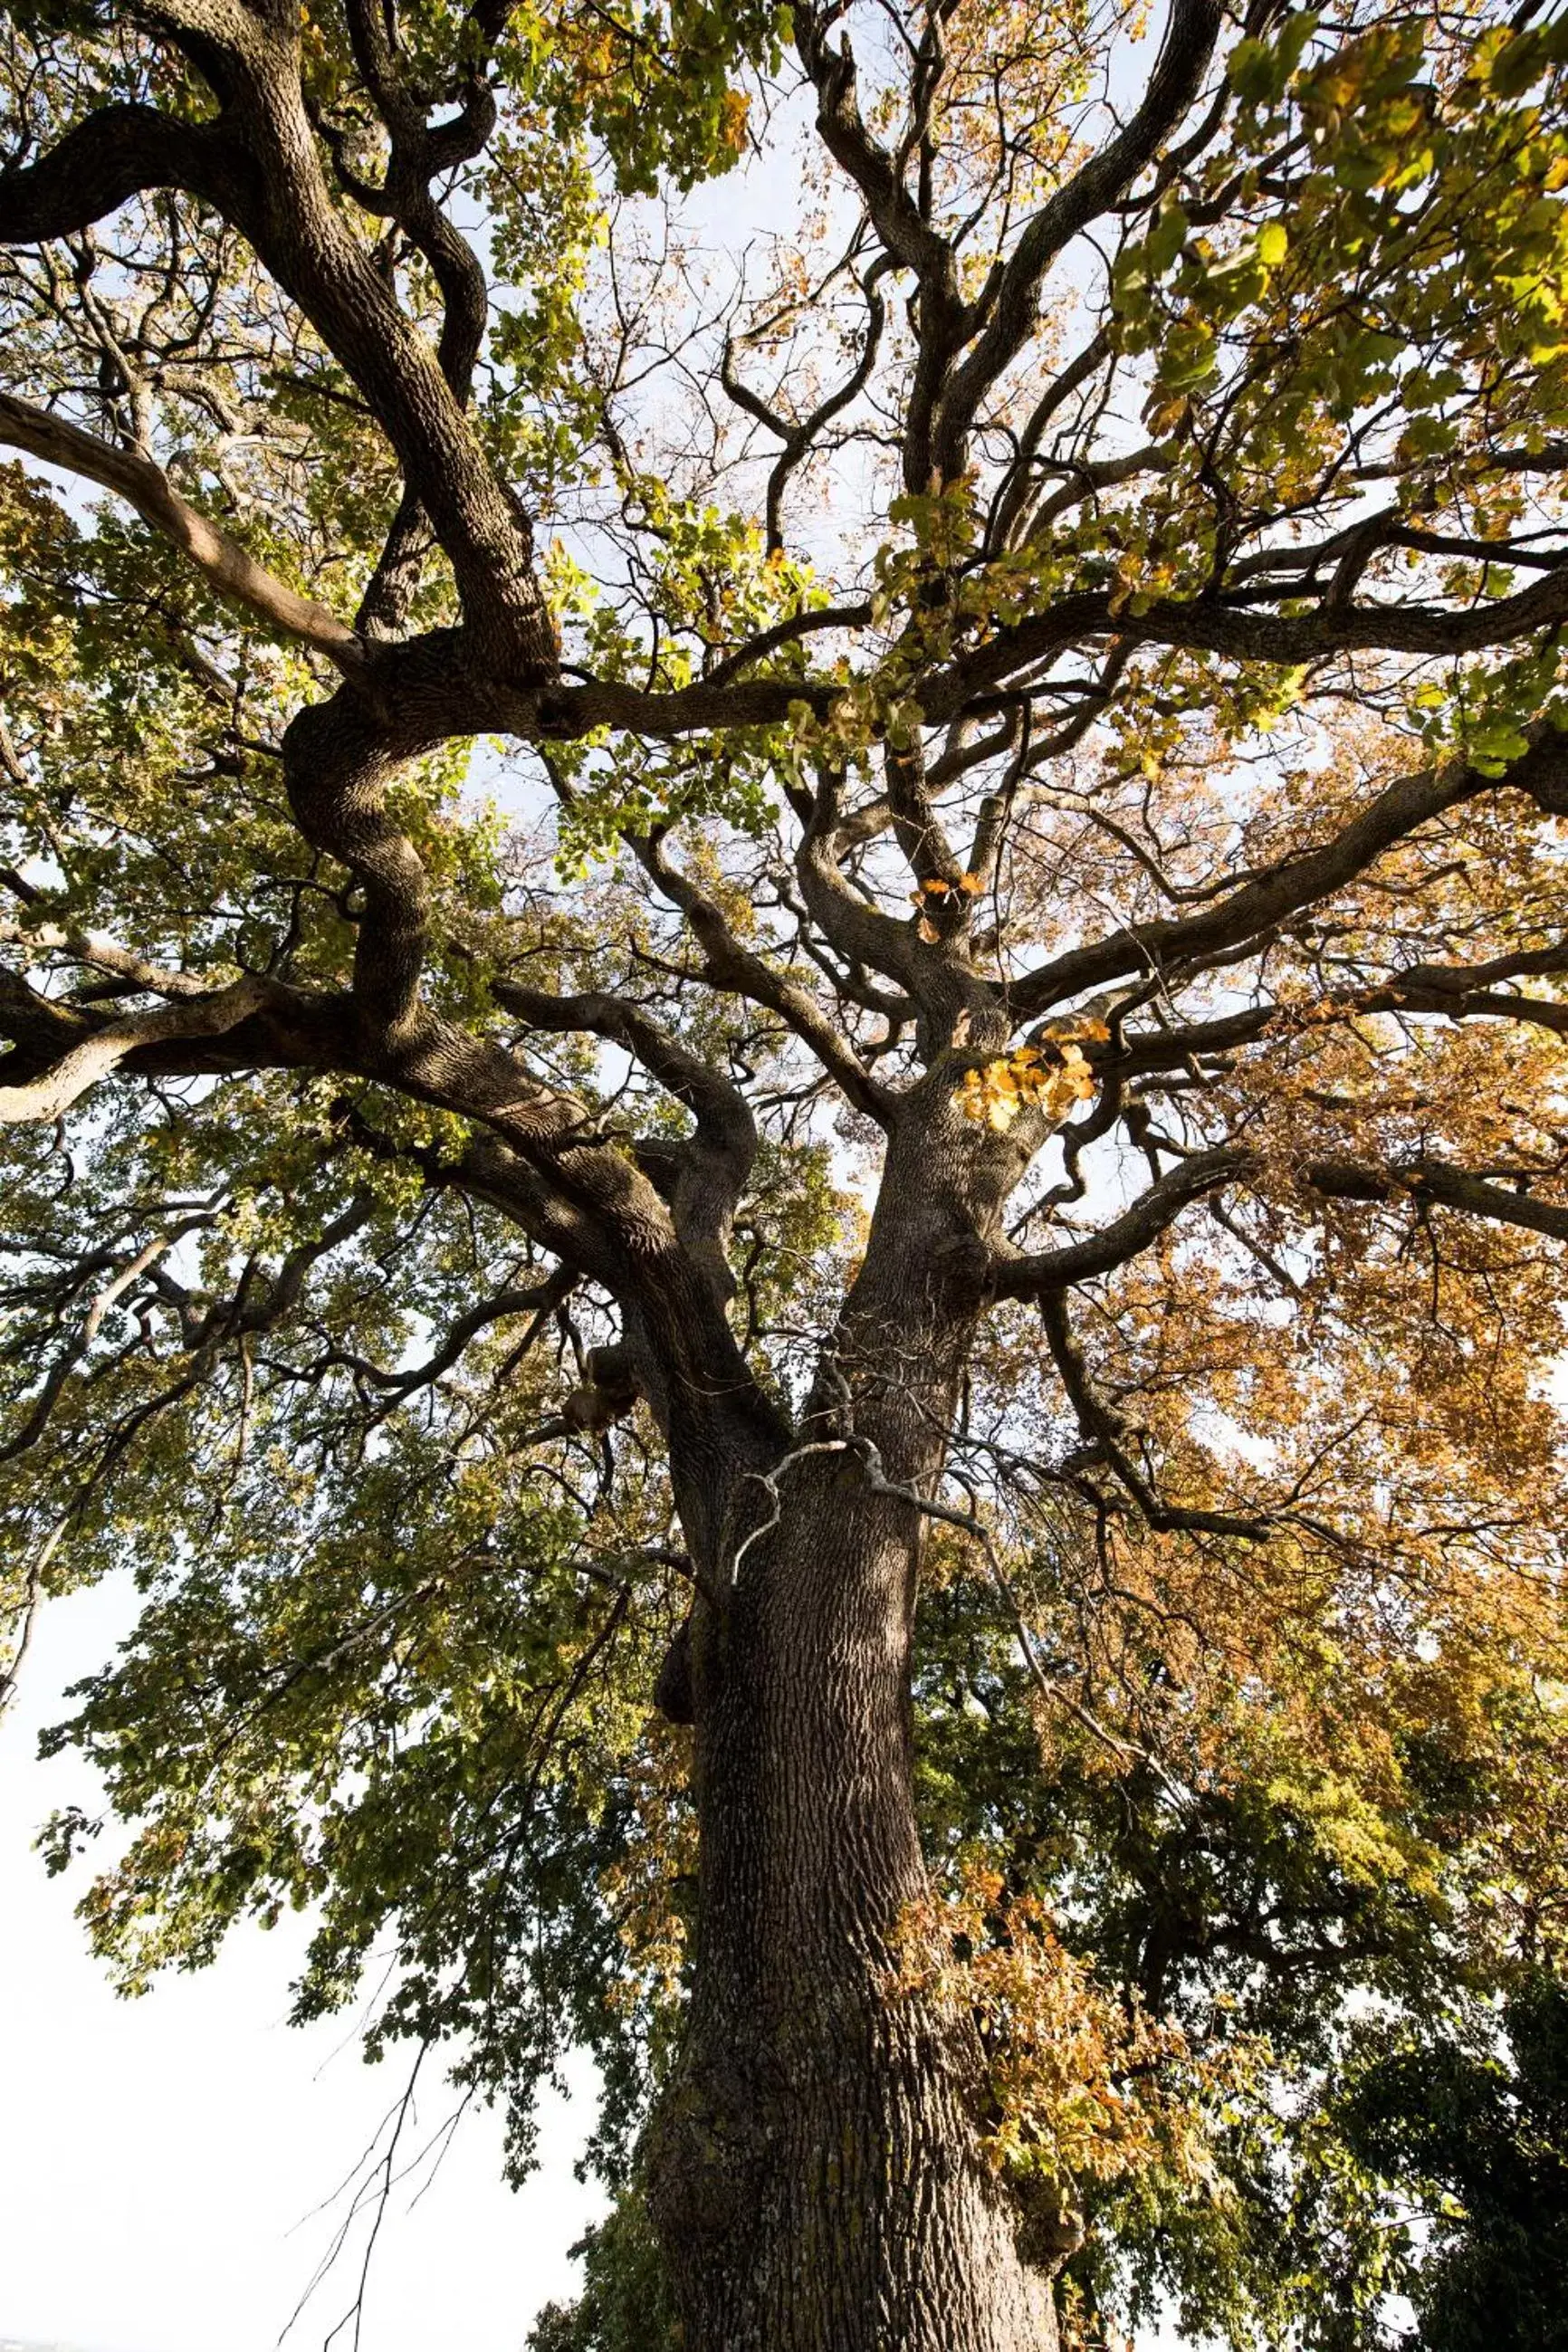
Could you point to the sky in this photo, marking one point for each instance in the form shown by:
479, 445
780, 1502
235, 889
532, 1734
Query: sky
162, 2161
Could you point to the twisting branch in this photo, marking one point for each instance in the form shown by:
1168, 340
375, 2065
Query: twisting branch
1007, 308
1048, 1272
711, 1168
907, 236
724, 1121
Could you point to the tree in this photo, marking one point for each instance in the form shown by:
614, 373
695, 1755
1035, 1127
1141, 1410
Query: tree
1023, 1061
1484, 2128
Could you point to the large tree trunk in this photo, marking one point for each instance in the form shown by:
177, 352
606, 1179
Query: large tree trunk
814, 2171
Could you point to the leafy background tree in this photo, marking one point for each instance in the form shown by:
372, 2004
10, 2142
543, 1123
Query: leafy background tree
784, 1115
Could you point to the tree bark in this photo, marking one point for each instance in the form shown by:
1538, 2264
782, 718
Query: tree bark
813, 2168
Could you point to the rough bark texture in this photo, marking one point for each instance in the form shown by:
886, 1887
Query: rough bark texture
815, 2170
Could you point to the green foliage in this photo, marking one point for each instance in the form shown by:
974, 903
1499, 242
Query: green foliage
657, 88
383, 1669
1480, 2126
624, 2305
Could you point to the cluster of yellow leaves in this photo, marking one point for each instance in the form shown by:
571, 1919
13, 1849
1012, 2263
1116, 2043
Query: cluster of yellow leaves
1083, 2086
1048, 1078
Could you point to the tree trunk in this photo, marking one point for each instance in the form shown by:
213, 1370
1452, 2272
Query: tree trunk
814, 2171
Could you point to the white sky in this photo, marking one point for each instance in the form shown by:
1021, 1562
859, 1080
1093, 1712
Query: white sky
159, 2158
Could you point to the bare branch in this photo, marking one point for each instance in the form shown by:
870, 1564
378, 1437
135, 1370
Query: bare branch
1044, 1273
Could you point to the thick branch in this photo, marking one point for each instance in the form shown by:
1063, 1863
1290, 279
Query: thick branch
719, 1108
1423, 1180
1231, 629
259, 168
975, 682
709, 1169
47, 1097
907, 236
120, 151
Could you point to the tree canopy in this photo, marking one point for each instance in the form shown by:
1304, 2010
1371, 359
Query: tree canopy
679, 681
